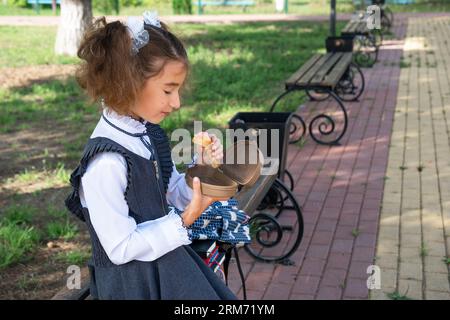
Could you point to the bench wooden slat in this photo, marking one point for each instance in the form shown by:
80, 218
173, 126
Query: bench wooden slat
76, 294
336, 74
352, 27
325, 69
349, 27
302, 70
362, 27
306, 78
356, 27
250, 198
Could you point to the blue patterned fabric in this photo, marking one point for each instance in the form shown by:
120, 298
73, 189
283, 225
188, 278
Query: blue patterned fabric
221, 221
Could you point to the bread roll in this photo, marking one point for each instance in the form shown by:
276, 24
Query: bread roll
205, 141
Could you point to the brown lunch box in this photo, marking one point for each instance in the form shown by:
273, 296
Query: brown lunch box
242, 164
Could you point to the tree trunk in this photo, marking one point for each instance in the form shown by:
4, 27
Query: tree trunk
76, 16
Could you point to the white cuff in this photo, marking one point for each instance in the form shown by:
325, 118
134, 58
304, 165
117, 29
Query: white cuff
165, 236
180, 230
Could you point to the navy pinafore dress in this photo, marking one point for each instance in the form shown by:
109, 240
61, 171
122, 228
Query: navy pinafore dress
179, 274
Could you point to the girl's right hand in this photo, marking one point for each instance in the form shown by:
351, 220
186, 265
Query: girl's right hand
198, 204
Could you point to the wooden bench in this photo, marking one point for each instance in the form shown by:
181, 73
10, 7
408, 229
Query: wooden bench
387, 16
240, 3
331, 75
366, 42
248, 198
321, 74
37, 3
322, 71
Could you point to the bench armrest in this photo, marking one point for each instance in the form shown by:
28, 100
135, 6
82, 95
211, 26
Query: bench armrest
339, 44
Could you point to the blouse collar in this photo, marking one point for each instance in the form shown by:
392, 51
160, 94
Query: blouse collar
126, 123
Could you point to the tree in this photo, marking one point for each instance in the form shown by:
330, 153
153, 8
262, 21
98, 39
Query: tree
76, 16
182, 6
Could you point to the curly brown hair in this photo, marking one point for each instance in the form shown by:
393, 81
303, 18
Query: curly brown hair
111, 72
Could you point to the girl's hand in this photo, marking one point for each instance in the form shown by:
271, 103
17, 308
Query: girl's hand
198, 204
211, 151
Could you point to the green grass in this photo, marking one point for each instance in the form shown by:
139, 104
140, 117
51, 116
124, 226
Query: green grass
10, 10
61, 174
301, 143
252, 60
74, 257
446, 260
61, 230
40, 102
18, 214
423, 250
28, 282
404, 64
164, 7
398, 296
16, 242
302, 7
54, 212
355, 232
27, 176
24, 46
58, 175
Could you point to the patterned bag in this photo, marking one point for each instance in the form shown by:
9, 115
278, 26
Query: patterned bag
221, 221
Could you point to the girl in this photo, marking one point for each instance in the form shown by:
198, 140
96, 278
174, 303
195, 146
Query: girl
126, 177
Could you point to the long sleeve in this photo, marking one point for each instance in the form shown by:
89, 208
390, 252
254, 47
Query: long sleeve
179, 194
103, 187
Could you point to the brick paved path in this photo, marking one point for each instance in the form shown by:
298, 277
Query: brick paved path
341, 188
415, 217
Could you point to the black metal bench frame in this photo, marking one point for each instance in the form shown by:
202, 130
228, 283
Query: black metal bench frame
336, 66
366, 42
278, 200
387, 16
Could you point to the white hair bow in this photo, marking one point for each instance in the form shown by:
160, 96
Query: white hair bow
138, 34
151, 18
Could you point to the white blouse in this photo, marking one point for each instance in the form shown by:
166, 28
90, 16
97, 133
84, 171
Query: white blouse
102, 191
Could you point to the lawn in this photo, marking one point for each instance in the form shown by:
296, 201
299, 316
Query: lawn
46, 120
300, 7
252, 60
303, 7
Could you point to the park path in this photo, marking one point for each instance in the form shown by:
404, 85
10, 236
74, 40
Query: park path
414, 237
221, 18
360, 207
